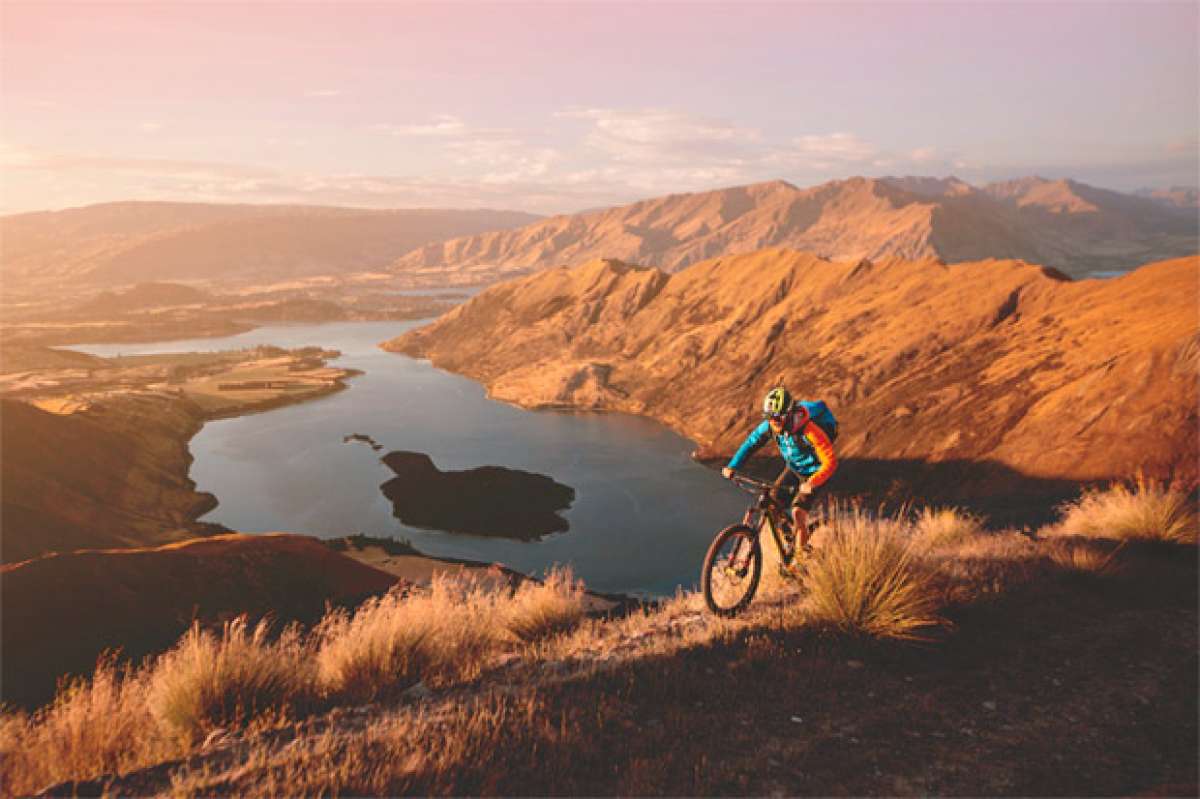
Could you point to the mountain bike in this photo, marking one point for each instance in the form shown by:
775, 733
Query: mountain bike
734, 563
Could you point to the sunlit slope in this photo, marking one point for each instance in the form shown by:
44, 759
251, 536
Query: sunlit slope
1064, 224
991, 360
119, 243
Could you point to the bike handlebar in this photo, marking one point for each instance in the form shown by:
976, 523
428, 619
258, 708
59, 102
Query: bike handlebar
744, 481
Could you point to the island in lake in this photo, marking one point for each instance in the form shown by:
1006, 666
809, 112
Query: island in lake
488, 501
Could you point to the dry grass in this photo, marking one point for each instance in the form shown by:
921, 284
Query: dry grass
465, 750
987, 566
872, 575
1141, 511
1083, 557
540, 610
945, 527
210, 681
391, 643
92, 727
374, 653
866, 579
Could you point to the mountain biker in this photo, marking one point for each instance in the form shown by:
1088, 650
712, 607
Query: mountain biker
808, 456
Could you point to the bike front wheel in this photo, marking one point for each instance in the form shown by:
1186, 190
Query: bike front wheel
732, 569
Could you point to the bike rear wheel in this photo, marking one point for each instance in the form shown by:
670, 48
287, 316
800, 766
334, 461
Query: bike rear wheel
732, 569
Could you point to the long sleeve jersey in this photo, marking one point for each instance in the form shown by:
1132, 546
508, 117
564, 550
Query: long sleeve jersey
805, 448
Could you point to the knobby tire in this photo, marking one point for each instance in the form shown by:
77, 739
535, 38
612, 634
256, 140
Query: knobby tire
713, 566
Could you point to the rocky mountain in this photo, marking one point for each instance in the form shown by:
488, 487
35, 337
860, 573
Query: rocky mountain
1059, 223
969, 379
120, 243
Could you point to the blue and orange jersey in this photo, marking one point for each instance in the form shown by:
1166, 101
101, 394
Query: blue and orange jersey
805, 448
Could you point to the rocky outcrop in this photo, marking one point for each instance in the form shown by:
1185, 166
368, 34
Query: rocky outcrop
933, 367
1064, 224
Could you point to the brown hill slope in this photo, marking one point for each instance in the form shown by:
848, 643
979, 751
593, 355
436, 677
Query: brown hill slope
1059, 223
96, 453
61, 610
928, 366
120, 243
113, 476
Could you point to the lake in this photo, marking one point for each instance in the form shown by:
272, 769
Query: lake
643, 514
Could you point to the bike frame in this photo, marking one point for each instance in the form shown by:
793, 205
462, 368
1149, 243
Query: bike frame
764, 512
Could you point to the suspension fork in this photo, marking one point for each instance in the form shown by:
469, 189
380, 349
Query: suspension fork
751, 518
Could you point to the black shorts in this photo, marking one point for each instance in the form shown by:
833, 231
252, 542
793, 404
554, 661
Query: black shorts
785, 491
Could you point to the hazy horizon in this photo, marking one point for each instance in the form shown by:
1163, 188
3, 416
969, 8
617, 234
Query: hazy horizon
559, 108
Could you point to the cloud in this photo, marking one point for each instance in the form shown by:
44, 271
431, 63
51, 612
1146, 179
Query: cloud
323, 93
18, 158
442, 125
846, 148
506, 158
923, 155
151, 127
657, 135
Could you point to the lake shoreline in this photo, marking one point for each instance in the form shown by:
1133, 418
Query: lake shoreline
179, 513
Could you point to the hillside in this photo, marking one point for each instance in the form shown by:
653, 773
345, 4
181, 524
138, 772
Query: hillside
142, 599
1044, 665
120, 243
971, 379
115, 476
96, 452
1063, 224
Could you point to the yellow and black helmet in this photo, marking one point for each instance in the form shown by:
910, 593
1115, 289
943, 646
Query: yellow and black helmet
777, 403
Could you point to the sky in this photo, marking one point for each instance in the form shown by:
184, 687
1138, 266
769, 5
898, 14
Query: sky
559, 107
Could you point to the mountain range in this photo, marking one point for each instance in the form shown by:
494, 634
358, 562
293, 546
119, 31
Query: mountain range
129, 242
1065, 224
970, 378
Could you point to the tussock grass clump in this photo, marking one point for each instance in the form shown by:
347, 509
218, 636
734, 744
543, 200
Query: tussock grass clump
866, 580
378, 651
945, 527
1083, 557
540, 610
466, 634
1142, 511
92, 727
211, 680
391, 643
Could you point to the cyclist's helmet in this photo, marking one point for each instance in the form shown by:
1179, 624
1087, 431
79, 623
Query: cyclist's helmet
778, 403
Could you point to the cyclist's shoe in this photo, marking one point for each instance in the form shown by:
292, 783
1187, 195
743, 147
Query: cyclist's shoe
737, 568
798, 565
